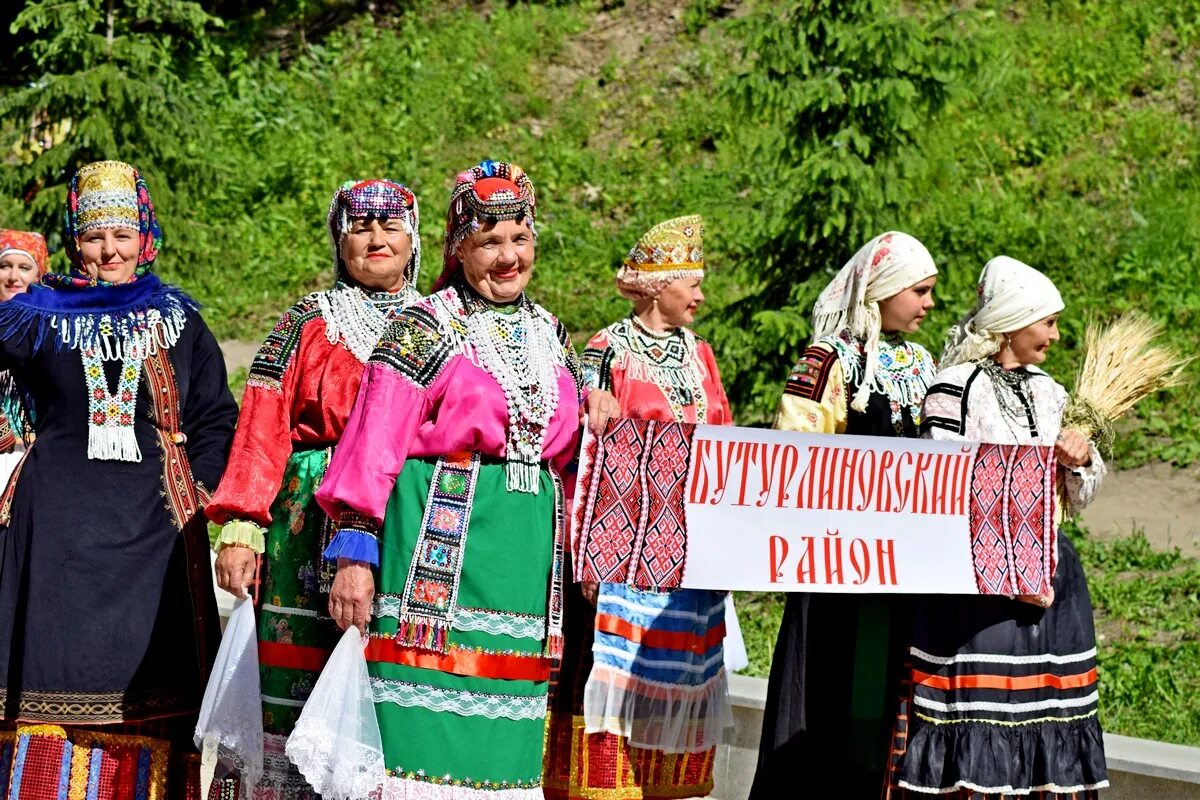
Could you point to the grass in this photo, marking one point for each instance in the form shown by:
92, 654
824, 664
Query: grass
1147, 604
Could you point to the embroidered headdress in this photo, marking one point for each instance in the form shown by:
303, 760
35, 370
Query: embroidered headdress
381, 199
25, 243
353, 314
1012, 295
105, 322
485, 194
108, 194
884, 267
667, 252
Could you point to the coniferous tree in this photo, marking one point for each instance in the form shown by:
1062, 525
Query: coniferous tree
107, 83
835, 94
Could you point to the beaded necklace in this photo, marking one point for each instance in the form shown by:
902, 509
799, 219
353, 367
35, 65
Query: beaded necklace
667, 359
358, 317
517, 345
903, 372
1008, 386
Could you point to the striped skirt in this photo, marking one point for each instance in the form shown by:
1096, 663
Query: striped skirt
1002, 697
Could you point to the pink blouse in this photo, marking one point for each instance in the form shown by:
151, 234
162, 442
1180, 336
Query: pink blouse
419, 398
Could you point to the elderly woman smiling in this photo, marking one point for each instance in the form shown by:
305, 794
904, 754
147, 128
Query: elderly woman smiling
301, 388
23, 259
469, 409
107, 617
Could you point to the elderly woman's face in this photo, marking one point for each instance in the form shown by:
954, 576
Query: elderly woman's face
376, 253
16, 273
498, 260
678, 301
1030, 344
904, 311
110, 254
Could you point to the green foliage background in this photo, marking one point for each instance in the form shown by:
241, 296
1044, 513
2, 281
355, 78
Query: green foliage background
1061, 132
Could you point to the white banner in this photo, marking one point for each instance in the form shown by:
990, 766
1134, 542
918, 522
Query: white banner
716, 507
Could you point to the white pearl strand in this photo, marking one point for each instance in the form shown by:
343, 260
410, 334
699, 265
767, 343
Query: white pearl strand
522, 352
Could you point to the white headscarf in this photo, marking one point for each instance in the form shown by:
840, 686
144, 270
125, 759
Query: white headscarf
884, 267
1012, 295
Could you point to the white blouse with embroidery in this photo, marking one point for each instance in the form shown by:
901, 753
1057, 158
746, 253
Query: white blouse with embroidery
965, 403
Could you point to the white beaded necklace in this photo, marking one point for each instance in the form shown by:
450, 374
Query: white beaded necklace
519, 348
358, 318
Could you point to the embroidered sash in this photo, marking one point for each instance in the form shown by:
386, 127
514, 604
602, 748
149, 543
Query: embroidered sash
431, 591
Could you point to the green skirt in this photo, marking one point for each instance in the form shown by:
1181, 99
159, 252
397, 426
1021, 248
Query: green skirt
295, 632
471, 713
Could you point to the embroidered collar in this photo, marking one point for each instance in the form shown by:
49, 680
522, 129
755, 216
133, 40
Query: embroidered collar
903, 372
668, 359
118, 322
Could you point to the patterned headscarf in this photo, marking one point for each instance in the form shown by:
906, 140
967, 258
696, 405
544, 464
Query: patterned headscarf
25, 243
884, 267
381, 198
667, 252
485, 194
107, 194
1012, 295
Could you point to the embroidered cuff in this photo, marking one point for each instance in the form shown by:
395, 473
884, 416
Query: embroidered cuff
240, 532
356, 539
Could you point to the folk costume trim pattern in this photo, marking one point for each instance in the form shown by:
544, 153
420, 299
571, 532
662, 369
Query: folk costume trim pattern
903, 371
667, 359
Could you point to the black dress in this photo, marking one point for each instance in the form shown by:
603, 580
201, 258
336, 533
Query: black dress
838, 660
107, 613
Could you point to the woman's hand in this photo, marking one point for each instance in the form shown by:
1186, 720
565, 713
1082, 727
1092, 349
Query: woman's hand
589, 590
1071, 449
1041, 600
351, 594
235, 569
601, 407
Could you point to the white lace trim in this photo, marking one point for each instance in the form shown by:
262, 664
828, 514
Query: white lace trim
496, 623
464, 704
404, 789
655, 715
352, 771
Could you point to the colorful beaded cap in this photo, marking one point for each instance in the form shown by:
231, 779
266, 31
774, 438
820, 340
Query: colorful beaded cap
485, 194
667, 252
108, 194
26, 243
374, 198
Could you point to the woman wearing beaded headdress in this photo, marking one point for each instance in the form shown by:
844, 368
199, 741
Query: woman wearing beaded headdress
23, 259
107, 616
642, 698
449, 507
835, 673
1003, 696
301, 387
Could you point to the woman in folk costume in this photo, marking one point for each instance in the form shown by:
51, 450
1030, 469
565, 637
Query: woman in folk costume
450, 513
1003, 698
838, 659
23, 259
298, 397
642, 699
107, 617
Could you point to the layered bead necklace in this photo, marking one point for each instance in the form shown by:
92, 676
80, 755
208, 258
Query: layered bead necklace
358, 318
665, 358
517, 345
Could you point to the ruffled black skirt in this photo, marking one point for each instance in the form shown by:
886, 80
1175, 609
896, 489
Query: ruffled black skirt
1003, 695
